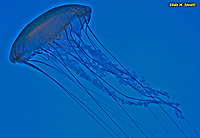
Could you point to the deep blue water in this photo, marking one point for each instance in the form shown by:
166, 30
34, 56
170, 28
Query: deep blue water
156, 41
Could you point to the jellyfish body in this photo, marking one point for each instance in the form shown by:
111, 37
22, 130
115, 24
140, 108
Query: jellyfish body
55, 40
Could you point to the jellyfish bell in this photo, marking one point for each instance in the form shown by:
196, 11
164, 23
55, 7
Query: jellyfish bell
54, 40
46, 28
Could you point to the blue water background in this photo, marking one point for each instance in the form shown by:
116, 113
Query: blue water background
159, 42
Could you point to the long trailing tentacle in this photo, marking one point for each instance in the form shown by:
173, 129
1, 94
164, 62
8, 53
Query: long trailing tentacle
63, 63
177, 113
104, 86
78, 101
96, 76
58, 69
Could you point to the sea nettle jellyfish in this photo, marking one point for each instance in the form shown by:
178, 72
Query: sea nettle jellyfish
61, 41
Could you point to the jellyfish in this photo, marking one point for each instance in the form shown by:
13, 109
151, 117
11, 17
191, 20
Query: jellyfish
61, 41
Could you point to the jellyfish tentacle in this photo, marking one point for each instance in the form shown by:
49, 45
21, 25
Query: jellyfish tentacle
107, 83
149, 102
124, 78
77, 100
114, 97
122, 72
136, 104
90, 93
62, 63
83, 88
177, 113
